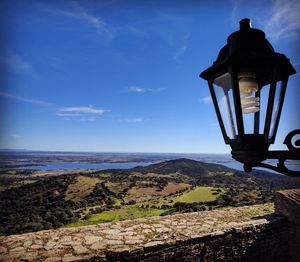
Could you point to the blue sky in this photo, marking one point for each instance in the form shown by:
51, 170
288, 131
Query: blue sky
123, 75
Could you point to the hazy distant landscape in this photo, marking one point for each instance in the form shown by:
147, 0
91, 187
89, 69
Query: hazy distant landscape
28, 158
33, 198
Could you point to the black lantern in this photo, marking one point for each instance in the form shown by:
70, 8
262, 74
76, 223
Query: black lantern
247, 84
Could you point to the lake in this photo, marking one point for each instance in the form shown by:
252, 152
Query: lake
82, 165
45, 166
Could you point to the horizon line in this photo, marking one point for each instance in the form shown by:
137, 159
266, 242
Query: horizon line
106, 152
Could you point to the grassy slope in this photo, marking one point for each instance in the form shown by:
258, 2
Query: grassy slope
124, 213
153, 191
81, 187
199, 194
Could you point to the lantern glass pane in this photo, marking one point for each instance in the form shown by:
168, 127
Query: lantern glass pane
264, 97
248, 123
223, 90
275, 112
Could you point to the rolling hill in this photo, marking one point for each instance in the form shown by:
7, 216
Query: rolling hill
184, 166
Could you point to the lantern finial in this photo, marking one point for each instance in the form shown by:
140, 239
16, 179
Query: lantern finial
245, 24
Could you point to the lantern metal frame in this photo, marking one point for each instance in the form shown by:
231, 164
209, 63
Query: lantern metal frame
248, 50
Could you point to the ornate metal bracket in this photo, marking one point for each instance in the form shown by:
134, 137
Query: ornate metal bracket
292, 154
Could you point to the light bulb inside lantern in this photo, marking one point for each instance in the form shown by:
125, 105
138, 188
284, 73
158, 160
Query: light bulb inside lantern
248, 87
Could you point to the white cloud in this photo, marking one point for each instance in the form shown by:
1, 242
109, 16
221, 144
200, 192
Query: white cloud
132, 120
283, 19
16, 62
136, 89
25, 99
206, 99
82, 109
67, 114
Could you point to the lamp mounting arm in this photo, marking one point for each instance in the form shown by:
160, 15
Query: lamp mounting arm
293, 153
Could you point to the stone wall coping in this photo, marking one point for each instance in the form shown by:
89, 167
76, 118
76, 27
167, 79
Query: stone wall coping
74, 244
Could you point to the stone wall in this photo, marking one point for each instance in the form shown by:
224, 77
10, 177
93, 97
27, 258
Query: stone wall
232, 234
255, 241
287, 204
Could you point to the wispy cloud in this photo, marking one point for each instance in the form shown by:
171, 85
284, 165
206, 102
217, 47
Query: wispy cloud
283, 19
14, 136
137, 89
234, 12
79, 13
206, 99
180, 51
81, 113
88, 118
179, 44
132, 30
16, 62
25, 99
280, 20
132, 120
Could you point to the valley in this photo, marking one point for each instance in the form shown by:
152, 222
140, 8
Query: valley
85, 197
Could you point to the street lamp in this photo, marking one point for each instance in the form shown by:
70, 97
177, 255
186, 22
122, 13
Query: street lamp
247, 84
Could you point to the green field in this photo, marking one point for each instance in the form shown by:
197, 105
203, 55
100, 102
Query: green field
199, 194
124, 213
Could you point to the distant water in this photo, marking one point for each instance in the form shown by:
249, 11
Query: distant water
45, 166
60, 165
231, 164
292, 165
80, 165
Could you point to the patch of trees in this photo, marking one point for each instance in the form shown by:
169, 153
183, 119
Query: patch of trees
35, 207
8, 181
41, 205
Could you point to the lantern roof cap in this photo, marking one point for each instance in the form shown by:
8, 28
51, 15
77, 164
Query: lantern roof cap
248, 44
245, 42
